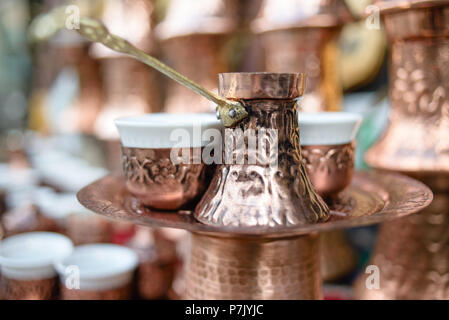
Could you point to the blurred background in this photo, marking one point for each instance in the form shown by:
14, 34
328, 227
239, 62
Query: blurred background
58, 97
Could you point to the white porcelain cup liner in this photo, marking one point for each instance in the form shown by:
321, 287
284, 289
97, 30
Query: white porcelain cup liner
328, 128
160, 130
30, 256
101, 266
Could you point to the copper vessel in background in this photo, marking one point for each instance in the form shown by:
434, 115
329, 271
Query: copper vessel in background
63, 59
85, 227
412, 253
129, 88
307, 30
416, 139
195, 38
157, 263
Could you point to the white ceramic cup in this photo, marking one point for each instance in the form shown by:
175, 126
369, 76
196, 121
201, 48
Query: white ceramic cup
157, 130
27, 264
29, 256
97, 271
328, 128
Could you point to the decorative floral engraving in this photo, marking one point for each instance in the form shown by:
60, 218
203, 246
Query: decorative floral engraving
155, 179
328, 159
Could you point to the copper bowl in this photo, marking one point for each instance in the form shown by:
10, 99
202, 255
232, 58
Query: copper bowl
162, 157
327, 146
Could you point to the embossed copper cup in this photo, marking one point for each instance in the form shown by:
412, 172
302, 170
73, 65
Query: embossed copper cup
97, 272
27, 265
327, 145
162, 157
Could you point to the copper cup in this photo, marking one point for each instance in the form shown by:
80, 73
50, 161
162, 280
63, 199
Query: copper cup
162, 157
327, 145
97, 272
27, 265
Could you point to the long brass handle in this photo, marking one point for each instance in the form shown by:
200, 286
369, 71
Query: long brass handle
230, 112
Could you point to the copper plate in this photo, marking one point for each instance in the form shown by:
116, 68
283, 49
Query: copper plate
371, 198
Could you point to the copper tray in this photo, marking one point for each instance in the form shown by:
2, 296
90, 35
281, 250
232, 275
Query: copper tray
371, 198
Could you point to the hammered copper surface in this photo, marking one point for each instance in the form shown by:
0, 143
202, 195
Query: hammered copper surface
122, 293
413, 256
330, 167
40, 289
259, 193
243, 268
416, 139
371, 198
153, 177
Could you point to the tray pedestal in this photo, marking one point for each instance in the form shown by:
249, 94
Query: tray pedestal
254, 268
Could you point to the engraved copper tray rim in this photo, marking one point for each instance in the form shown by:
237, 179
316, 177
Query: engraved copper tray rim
373, 197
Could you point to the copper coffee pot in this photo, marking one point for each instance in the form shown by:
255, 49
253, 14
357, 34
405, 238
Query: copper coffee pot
260, 194
307, 30
412, 253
